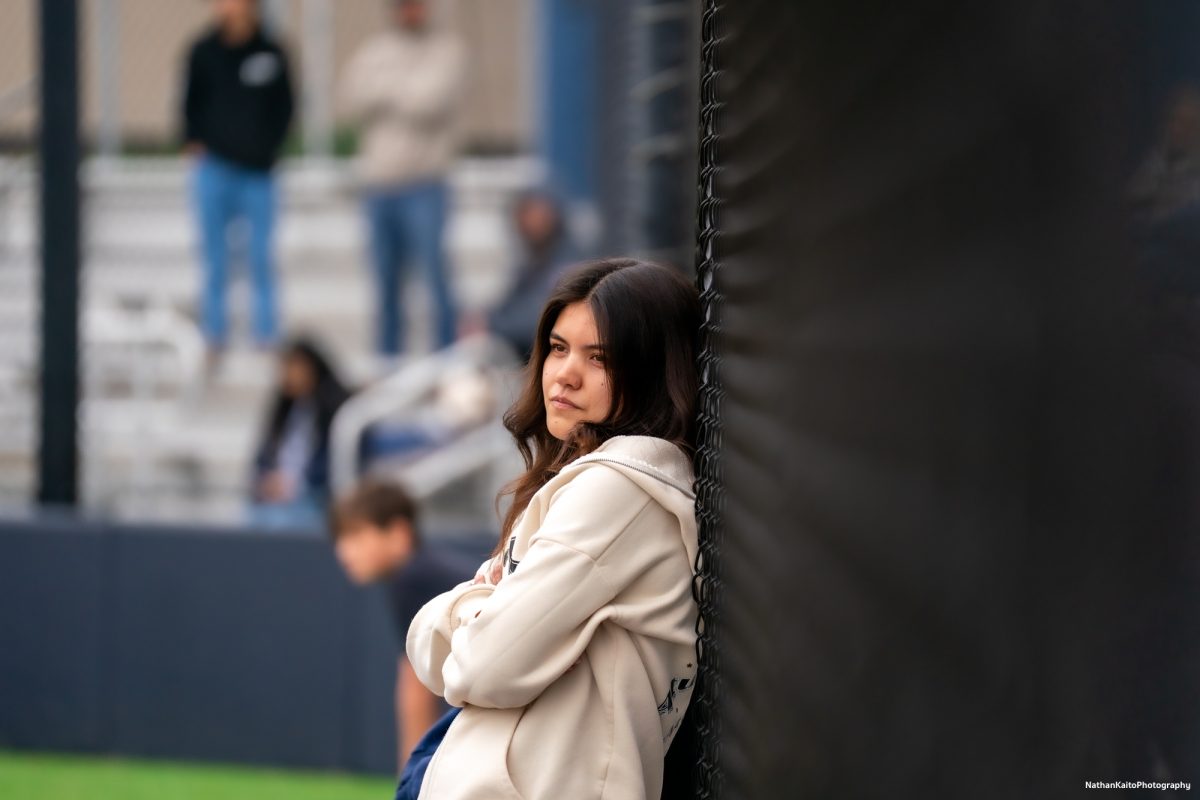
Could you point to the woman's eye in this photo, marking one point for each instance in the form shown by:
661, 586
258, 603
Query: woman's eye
557, 347
598, 358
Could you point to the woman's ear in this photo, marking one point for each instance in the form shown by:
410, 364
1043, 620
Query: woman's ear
402, 536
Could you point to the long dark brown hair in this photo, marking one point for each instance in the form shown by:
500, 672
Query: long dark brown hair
327, 397
648, 318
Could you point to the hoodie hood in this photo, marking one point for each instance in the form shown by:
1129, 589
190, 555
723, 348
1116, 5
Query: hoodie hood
659, 468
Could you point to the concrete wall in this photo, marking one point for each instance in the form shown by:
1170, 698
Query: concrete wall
153, 36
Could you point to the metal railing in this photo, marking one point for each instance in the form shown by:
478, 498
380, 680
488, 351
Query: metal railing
13, 100
157, 356
405, 391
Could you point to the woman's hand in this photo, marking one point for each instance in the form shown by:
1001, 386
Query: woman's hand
494, 573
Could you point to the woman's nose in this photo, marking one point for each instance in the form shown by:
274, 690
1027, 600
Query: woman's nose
569, 372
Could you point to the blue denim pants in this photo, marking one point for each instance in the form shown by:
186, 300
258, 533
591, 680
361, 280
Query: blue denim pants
414, 771
406, 227
224, 193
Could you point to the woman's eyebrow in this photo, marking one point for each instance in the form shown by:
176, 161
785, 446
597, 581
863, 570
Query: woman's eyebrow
556, 336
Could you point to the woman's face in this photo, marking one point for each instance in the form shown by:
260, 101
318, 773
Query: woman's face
574, 382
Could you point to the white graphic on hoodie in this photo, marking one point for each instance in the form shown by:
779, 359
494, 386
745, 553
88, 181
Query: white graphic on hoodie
260, 69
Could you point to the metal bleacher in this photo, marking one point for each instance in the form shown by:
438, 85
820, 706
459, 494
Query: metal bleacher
162, 437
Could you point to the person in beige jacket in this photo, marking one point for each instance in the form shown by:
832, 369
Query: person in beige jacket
403, 89
573, 652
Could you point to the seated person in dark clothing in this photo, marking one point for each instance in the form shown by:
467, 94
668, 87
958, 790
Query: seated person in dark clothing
544, 255
375, 535
291, 466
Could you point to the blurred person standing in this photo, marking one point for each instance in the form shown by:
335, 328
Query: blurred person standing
291, 465
238, 104
403, 88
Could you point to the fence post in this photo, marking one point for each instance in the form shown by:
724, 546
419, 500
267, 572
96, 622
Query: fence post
59, 164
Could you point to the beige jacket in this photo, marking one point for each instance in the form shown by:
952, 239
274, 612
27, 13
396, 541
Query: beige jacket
405, 90
575, 670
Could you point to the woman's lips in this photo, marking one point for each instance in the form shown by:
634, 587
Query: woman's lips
565, 405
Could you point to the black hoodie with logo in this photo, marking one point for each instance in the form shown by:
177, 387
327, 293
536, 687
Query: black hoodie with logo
238, 99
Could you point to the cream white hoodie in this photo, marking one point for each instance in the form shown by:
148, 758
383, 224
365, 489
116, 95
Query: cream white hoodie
575, 670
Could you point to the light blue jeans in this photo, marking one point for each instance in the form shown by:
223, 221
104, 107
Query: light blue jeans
406, 225
225, 193
302, 513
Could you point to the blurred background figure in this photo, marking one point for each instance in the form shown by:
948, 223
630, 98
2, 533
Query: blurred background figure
404, 87
291, 469
377, 540
544, 253
237, 109
1166, 196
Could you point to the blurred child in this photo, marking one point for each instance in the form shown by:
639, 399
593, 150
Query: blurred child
376, 537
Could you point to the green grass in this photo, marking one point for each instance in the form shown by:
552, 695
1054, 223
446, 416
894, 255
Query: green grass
52, 777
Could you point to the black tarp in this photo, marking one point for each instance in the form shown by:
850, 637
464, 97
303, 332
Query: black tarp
955, 560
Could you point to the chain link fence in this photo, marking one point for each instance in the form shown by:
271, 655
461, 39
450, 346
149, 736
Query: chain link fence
709, 483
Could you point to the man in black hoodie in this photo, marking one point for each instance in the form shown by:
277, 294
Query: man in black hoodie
236, 111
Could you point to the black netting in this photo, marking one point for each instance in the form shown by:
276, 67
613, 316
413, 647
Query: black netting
926, 567
708, 456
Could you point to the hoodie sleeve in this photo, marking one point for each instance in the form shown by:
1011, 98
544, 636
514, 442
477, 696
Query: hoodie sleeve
501, 646
358, 95
430, 97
